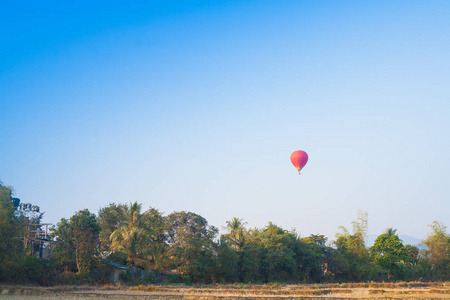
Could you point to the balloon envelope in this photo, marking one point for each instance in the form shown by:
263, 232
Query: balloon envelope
299, 159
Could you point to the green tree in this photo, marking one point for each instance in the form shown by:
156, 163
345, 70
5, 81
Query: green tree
228, 260
250, 267
352, 252
78, 239
29, 216
156, 232
438, 250
85, 231
390, 254
109, 219
64, 249
192, 245
315, 258
338, 264
269, 254
11, 248
354, 243
236, 233
279, 260
130, 237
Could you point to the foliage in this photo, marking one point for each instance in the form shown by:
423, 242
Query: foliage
32, 269
85, 235
192, 245
236, 233
63, 251
28, 213
279, 262
438, 250
140, 237
228, 260
352, 252
315, 257
11, 248
354, 243
29, 217
273, 254
130, 236
77, 241
390, 254
183, 248
156, 255
109, 218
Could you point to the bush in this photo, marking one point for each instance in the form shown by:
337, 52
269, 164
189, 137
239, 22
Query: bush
32, 269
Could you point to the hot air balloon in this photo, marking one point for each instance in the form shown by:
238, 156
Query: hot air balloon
299, 159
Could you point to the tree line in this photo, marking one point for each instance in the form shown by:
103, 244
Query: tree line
183, 247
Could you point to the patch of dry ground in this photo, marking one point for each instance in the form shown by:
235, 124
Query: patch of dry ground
417, 290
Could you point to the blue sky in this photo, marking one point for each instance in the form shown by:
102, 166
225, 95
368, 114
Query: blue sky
197, 105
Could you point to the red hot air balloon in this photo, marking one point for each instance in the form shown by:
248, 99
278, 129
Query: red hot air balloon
299, 159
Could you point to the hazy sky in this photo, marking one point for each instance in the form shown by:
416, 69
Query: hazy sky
197, 106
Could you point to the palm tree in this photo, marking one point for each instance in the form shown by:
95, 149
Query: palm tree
130, 237
390, 232
236, 233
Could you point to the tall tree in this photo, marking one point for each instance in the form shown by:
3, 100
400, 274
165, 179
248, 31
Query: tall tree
192, 243
351, 247
29, 216
355, 242
130, 237
279, 260
85, 231
228, 260
269, 254
78, 239
109, 219
438, 250
316, 257
390, 254
236, 233
156, 232
11, 249
64, 249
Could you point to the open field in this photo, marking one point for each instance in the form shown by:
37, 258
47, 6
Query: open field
414, 290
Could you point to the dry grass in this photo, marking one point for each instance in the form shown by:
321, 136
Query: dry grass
372, 290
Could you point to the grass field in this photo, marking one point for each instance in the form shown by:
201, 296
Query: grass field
402, 290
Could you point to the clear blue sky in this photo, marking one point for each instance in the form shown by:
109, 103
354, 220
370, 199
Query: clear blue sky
197, 105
